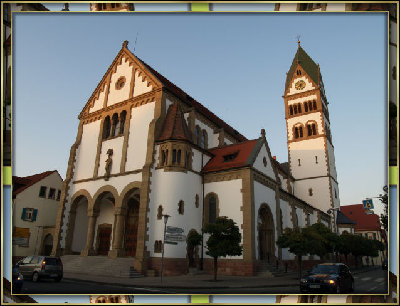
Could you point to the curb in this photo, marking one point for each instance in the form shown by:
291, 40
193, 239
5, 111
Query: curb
179, 287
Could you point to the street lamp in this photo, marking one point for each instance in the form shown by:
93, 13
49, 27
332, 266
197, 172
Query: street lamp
162, 256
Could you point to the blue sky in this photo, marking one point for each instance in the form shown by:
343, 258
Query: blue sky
233, 63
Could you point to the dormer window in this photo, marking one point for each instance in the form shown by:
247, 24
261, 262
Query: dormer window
230, 157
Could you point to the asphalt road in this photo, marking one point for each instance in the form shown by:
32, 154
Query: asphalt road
370, 282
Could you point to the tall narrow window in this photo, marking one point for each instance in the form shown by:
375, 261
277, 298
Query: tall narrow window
299, 107
295, 108
122, 124
335, 194
316, 159
305, 107
106, 127
296, 132
173, 156
181, 207
114, 124
310, 192
301, 131
310, 105
178, 157
163, 158
314, 130
204, 139
198, 132
212, 209
291, 110
309, 131
315, 105
299, 162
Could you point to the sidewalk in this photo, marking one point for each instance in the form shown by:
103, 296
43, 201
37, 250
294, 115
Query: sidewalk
198, 281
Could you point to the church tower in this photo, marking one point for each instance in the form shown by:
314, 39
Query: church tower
310, 147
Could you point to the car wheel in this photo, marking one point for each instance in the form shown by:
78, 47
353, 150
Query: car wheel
35, 277
352, 286
338, 289
57, 279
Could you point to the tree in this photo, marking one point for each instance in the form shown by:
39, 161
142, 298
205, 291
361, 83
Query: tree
384, 199
344, 245
316, 239
193, 239
224, 240
293, 239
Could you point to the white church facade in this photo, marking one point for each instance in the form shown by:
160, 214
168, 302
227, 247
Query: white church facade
145, 148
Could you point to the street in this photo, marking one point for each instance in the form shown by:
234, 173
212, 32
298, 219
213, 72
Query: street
368, 282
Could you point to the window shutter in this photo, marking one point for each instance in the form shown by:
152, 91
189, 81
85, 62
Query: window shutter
34, 214
23, 213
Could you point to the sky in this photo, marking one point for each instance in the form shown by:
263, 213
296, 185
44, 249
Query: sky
233, 63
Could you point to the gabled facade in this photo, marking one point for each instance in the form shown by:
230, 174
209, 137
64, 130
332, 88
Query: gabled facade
34, 211
145, 149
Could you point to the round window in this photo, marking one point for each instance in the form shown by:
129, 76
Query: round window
120, 83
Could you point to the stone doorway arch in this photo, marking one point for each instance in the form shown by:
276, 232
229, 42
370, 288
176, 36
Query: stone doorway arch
47, 245
266, 234
132, 204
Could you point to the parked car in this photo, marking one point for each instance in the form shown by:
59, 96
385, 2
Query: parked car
384, 264
17, 280
38, 267
328, 278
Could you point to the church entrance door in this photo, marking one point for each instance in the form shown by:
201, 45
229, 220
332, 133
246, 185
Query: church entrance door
266, 234
104, 239
131, 227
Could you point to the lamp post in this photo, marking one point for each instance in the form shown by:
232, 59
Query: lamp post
162, 256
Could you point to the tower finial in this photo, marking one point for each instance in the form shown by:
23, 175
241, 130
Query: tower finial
125, 44
298, 40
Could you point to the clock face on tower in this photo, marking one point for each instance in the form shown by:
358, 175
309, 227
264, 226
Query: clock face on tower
300, 85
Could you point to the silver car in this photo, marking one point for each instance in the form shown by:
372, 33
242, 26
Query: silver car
38, 267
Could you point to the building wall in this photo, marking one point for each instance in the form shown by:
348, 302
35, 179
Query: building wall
292, 89
259, 163
86, 152
230, 201
303, 119
46, 215
117, 95
138, 131
81, 227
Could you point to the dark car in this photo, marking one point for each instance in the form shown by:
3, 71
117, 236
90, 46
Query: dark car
384, 264
38, 267
328, 278
17, 280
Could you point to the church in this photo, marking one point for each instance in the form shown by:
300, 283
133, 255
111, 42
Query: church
145, 149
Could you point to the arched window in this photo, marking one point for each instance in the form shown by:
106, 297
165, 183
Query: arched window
198, 132
296, 132
301, 131
295, 108
314, 104
212, 209
310, 105
106, 127
305, 107
181, 207
173, 156
122, 122
299, 107
178, 157
314, 130
291, 110
114, 124
204, 139
309, 131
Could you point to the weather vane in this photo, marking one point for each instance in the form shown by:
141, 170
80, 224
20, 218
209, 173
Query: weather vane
298, 39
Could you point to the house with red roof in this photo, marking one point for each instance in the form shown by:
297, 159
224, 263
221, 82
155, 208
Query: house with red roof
146, 149
368, 225
35, 204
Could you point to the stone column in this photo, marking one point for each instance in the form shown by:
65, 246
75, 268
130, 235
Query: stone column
117, 250
89, 249
70, 232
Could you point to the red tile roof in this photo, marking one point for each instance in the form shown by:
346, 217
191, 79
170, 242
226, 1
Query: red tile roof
192, 102
364, 222
175, 126
22, 183
242, 149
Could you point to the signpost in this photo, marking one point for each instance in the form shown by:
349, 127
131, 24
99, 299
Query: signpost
368, 204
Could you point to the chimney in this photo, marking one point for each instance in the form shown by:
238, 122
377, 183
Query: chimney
262, 133
274, 157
